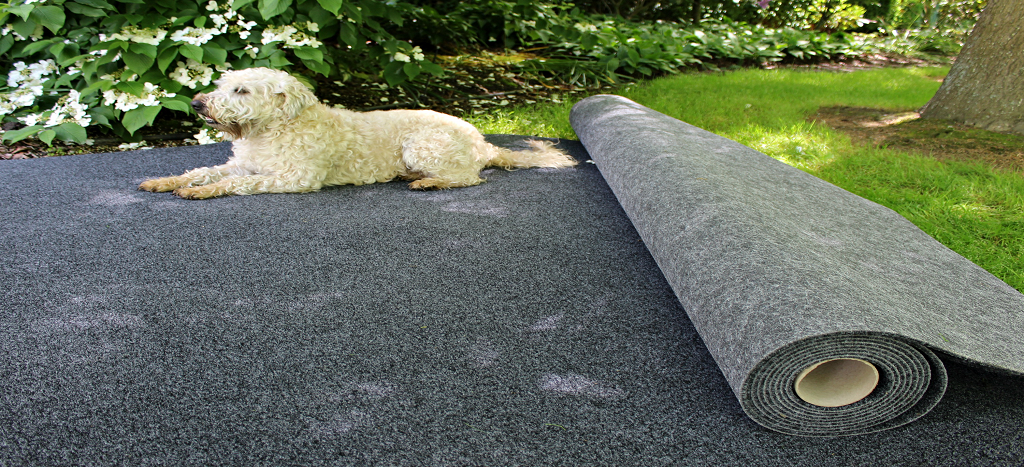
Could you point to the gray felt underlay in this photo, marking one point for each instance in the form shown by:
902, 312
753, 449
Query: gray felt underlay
519, 322
779, 270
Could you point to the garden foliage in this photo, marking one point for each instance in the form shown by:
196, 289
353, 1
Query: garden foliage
72, 64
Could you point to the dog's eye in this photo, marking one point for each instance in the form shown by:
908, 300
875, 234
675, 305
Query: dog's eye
241, 90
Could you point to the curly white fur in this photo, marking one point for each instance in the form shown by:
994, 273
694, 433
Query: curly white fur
285, 141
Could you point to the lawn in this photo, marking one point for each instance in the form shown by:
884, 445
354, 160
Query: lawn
971, 207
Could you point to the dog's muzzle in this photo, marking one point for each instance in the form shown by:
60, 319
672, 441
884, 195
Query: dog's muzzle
199, 105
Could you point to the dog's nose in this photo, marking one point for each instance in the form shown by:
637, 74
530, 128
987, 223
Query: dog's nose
198, 105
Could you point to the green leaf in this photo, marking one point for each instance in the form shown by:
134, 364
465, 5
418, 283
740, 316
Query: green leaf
140, 117
431, 67
373, 7
323, 17
22, 11
135, 88
20, 134
349, 34
394, 73
191, 51
309, 53
165, 58
65, 80
319, 67
279, 60
169, 85
214, 54
70, 131
46, 136
352, 11
271, 8
25, 28
101, 115
634, 57
144, 49
102, 4
411, 69
239, 4
50, 17
5, 43
174, 103
136, 62
37, 46
83, 10
333, 6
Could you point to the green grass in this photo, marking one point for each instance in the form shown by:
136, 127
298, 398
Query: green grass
974, 209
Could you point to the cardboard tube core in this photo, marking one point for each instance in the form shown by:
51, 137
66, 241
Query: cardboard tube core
837, 382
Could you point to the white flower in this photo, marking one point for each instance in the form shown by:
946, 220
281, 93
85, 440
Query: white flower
219, 21
278, 34
251, 51
123, 101
69, 109
27, 82
401, 57
582, 27
31, 119
312, 27
291, 37
131, 33
129, 146
194, 36
192, 74
207, 136
417, 54
211, 6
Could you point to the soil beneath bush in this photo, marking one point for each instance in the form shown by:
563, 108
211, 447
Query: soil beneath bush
475, 84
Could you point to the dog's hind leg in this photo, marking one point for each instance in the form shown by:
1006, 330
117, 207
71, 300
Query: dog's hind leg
442, 159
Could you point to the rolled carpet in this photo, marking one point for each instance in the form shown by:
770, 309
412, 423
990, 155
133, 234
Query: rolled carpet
820, 307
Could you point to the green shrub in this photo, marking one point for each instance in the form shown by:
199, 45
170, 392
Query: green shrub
119, 63
606, 49
73, 64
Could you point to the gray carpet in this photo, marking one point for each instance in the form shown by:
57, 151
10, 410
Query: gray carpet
519, 322
779, 270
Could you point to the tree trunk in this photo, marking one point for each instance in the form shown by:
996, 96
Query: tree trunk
695, 12
985, 86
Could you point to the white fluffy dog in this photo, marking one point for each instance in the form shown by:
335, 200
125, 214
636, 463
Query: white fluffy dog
285, 141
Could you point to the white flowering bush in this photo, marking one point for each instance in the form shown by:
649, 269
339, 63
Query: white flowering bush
72, 64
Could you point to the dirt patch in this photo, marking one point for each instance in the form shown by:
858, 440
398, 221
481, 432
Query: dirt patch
941, 139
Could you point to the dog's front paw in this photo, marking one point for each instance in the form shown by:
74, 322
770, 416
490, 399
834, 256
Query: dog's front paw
199, 192
158, 185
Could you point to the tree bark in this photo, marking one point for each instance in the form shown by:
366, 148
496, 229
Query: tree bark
985, 86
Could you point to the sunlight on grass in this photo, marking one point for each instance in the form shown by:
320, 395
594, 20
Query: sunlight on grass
974, 209
549, 120
801, 145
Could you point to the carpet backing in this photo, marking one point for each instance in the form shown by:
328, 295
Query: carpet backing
779, 271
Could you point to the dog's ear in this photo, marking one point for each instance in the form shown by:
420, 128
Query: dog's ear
295, 96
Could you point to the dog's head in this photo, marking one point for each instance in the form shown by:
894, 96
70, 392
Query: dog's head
248, 101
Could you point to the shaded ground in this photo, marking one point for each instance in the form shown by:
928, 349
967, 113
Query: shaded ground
941, 139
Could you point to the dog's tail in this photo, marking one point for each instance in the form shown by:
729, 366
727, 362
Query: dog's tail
540, 154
